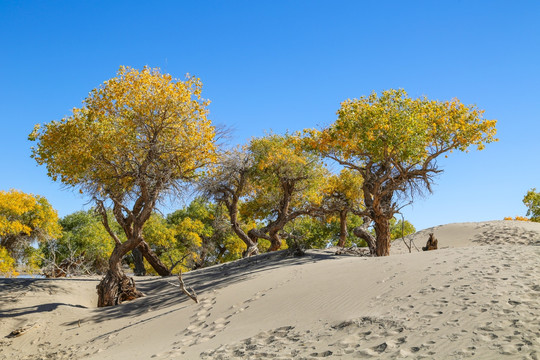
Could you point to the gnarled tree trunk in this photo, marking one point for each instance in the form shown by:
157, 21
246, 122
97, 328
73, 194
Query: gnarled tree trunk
250, 241
363, 233
275, 241
153, 259
116, 287
382, 235
138, 262
343, 233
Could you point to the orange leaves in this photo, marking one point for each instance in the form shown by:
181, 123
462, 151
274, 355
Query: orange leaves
517, 218
348, 185
13, 205
458, 126
146, 92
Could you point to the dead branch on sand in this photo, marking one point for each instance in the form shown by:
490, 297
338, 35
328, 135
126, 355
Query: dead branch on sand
183, 288
21, 331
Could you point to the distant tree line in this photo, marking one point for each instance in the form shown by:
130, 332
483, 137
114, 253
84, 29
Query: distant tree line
532, 201
196, 236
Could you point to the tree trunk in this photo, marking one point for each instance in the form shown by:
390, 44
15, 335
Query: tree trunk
275, 241
222, 250
116, 287
153, 260
382, 234
251, 242
203, 254
138, 261
343, 233
363, 233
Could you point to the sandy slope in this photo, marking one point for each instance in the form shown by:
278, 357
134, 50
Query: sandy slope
477, 297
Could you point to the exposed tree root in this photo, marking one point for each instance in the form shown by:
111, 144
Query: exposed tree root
115, 289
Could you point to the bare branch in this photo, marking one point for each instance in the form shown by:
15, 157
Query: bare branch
100, 208
185, 291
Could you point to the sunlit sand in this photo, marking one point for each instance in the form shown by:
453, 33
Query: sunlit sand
476, 297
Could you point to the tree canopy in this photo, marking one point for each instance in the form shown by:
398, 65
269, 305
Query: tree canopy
392, 140
286, 184
83, 239
141, 131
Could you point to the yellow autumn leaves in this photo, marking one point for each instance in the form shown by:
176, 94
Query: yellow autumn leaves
393, 125
140, 123
21, 214
7, 264
23, 217
281, 167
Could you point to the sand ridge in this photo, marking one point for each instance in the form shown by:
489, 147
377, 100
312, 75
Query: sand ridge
478, 297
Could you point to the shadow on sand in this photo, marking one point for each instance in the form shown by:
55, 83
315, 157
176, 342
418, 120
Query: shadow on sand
161, 294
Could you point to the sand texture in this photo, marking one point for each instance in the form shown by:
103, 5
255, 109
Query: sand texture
477, 297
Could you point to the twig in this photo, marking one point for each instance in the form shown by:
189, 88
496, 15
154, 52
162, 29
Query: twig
183, 287
21, 331
411, 242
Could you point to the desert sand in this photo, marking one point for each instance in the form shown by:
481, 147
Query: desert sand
476, 297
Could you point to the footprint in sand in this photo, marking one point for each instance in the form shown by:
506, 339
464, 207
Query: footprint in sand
360, 338
200, 330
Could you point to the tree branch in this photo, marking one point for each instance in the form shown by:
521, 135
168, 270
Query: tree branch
100, 208
185, 291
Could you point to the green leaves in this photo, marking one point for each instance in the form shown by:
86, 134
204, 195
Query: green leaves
83, 236
532, 201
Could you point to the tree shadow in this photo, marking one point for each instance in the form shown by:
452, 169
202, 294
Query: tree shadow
12, 289
163, 293
35, 309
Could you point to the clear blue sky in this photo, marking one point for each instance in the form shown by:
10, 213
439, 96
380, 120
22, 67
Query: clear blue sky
287, 65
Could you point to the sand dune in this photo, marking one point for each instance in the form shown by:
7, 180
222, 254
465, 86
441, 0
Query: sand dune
476, 297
